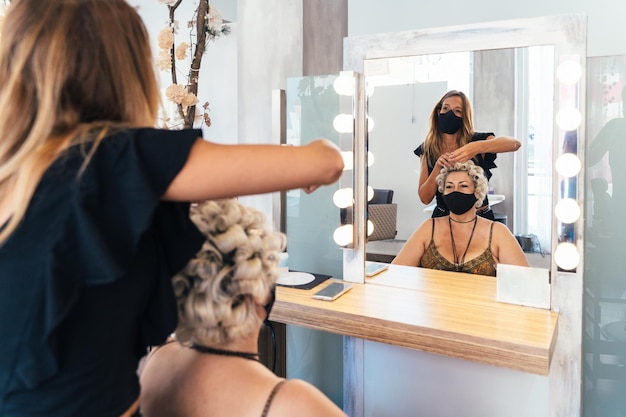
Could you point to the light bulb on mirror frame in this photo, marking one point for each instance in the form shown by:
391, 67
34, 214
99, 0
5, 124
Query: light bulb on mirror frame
568, 164
370, 193
567, 210
370, 124
343, 197
569, 119
566, 256
343, 123
344, 85
343, 235
370, 227
569, 72
348, 161
370, 158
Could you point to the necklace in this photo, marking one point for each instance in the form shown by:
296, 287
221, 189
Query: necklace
459, 265
223, 352
459, 221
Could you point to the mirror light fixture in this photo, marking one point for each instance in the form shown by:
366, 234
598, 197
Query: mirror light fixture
343, 123
568, 165
344, 84
343, 235
566, 256
569, 119
370, 227
569, 72
567, 210
348, 161
343, 197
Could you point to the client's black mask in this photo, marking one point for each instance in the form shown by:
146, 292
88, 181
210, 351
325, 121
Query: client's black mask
459, 202
270, 303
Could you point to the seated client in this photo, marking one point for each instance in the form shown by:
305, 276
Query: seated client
462, 241
224, 294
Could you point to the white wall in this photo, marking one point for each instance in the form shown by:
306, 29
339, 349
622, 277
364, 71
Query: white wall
606, 28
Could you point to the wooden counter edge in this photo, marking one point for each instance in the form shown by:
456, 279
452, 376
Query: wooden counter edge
534, 360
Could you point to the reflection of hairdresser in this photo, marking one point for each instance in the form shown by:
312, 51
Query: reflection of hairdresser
224, 294
462, 241
610, 141
451, 139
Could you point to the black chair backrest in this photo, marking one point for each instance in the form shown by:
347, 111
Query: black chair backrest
382, 196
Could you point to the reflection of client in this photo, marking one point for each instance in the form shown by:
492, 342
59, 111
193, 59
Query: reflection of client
462, 241
224, 294
451, 139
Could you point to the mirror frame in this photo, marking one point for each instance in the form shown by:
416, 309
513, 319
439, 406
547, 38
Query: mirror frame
566, 32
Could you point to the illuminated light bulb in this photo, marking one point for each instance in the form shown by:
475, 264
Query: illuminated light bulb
343, 235
567, 210
344, 85
369, 90
370, 193
348, 160
343, 123
370, 124
569, 119
568, 165
343, 197
566, 256
370, 227
569, 72
370, 158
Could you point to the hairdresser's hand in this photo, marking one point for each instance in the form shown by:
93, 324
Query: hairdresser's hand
444, 161
463, 154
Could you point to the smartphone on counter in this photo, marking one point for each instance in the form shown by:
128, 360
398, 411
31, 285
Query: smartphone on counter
373, 268
332, 291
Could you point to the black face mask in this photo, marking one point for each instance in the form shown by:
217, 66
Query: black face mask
459, 202
449, 122
270, 303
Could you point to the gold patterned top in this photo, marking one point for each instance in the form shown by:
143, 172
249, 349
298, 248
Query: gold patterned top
483, 264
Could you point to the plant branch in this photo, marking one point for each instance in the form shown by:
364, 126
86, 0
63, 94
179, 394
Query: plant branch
172, 10
194, 70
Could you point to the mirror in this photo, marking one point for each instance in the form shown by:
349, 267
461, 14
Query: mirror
507, 70
404, 91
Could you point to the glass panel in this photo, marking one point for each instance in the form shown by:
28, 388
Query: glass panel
312, 355
312, 104
604, 310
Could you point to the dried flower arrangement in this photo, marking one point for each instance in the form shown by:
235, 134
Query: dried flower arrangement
205, 26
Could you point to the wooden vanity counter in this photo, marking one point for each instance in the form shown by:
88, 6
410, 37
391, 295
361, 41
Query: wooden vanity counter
446, 313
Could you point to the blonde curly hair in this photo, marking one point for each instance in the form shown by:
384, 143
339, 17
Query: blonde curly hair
476, 173
237, 267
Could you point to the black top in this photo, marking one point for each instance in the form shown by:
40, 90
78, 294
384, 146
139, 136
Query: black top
486, 163
85, 279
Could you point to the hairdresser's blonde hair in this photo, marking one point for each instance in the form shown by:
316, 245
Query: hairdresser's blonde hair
476, 173
218, 291
70, 72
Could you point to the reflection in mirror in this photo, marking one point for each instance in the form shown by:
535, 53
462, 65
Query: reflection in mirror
512, 94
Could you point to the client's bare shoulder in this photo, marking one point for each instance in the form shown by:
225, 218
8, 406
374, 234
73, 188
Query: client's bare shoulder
300, 397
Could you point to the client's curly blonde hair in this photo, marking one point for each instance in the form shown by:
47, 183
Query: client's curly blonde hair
475, 172
218, 291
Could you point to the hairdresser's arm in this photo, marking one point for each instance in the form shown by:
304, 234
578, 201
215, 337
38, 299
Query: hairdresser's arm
492, 144
221, 171
427, 187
